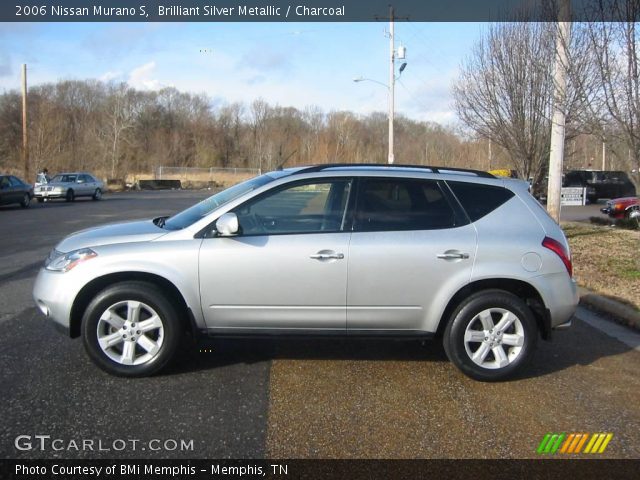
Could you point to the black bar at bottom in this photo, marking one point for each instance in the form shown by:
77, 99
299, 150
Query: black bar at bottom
583, 469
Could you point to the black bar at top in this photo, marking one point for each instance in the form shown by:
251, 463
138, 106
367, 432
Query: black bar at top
309, 10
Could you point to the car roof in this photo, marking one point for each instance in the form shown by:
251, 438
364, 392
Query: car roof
389, 169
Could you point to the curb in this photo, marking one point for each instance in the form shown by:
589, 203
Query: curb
625, 314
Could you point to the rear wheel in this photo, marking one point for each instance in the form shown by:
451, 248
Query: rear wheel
97, 195
70, 197
26, 200
130, 329
491, 335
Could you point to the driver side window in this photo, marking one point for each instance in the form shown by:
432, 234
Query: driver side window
311, 207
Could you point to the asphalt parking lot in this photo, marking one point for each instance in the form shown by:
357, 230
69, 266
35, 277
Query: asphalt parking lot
286, 399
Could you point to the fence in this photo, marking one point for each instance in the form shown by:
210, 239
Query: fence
202, 174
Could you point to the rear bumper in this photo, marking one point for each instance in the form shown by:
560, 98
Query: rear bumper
560, 296
564, 326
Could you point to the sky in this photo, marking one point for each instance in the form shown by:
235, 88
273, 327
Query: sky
289, 64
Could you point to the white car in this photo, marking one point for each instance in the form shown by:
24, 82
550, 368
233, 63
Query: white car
70, 186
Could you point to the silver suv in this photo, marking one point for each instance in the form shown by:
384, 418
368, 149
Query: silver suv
393, 251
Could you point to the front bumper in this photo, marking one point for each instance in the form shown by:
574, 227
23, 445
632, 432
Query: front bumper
49, 194
54, 293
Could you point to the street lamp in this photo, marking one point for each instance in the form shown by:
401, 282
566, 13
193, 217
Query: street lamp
390, 90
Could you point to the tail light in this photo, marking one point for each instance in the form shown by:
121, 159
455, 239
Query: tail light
557, 248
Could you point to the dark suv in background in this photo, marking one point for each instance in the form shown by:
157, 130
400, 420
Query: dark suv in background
600, 184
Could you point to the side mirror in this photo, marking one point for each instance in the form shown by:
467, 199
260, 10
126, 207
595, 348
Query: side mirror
227, 225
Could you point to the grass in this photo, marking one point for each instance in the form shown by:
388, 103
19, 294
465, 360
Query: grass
606, 260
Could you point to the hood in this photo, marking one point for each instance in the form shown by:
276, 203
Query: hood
625, 200
136, 231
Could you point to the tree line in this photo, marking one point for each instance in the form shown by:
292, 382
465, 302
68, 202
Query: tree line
113, 129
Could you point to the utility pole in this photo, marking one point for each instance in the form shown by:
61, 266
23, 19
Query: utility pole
556, 155
25, 137
392, 77
392, 83
604, 156
490, 155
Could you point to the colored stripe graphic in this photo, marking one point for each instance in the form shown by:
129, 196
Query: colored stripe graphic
567, 442
572, 443
582, 441
607, 439
543, 443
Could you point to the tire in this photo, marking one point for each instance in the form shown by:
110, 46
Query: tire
476, 318
26, 201
70, 196
112, 335
633, 215
40, 200
97, 195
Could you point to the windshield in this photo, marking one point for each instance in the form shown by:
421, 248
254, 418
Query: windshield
199, 210
64, 179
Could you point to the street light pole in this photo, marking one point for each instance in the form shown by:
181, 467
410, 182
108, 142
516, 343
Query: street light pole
392, 84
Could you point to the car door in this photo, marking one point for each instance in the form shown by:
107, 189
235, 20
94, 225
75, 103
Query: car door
18, 189
81, 188
90, 184
287, 269
411, 241
5, 191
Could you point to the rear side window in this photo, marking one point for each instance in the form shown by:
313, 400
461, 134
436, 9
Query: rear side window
479, 200
391, 204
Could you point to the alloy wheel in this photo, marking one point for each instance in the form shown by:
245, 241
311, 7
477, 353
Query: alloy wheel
130, 333
494, 338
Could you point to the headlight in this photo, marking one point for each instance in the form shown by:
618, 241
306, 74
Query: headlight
59, 262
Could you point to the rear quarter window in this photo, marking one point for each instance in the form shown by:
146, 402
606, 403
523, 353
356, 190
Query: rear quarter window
479, 200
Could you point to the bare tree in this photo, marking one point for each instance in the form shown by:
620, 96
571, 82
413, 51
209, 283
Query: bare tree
613, 40
505, 89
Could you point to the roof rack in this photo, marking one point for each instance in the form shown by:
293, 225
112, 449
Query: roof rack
319, 168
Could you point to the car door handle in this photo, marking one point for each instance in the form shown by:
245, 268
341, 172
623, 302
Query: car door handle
327, 256
453, 256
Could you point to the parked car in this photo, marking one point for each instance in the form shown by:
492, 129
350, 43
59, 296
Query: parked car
626, 207
600, 184
70, 186
15, 191
367, 250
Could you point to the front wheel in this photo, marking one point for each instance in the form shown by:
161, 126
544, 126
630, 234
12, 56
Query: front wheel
130, 329
70, 197
26, 200
634, 216
491, 335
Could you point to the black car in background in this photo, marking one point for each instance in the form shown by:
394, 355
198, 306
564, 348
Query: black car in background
15, 191
600, 184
